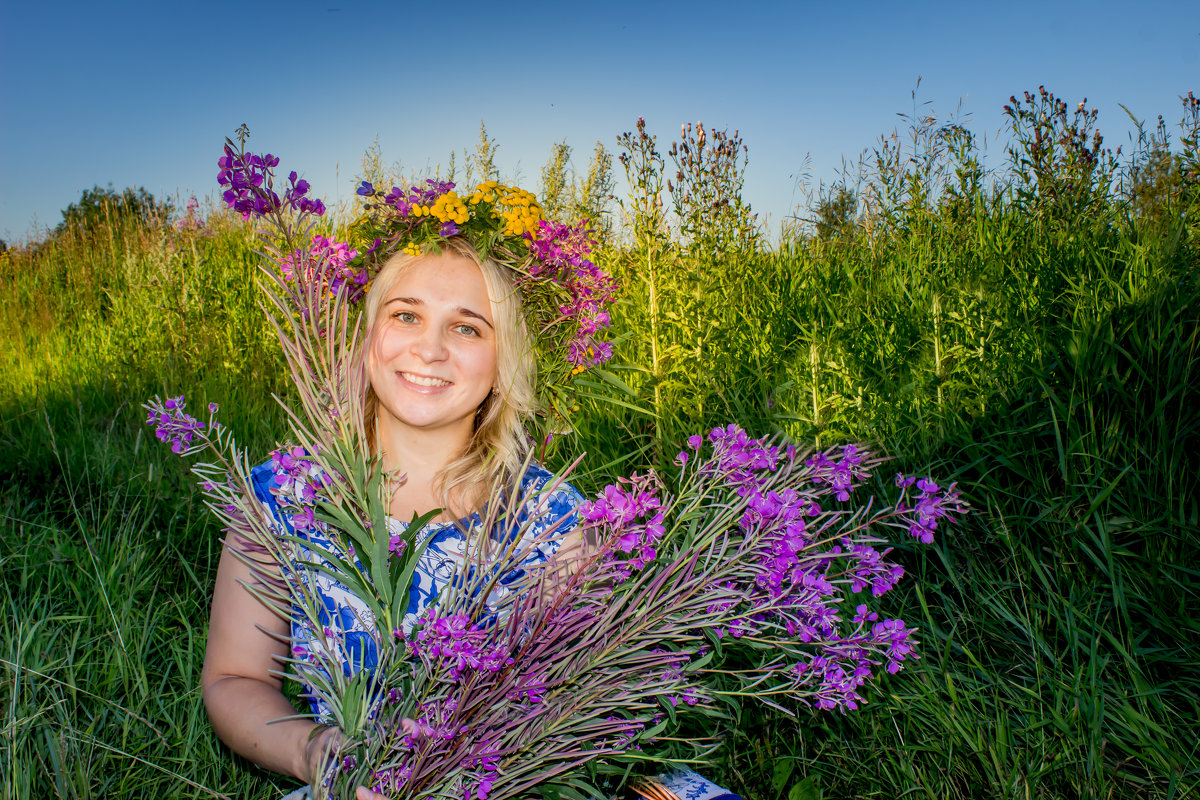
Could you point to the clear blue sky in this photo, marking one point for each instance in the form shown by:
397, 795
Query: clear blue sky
142, 94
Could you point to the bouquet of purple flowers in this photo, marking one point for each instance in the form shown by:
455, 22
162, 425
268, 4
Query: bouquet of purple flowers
749, 577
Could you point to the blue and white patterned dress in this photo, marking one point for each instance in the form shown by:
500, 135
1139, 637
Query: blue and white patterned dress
543, 518
549, 510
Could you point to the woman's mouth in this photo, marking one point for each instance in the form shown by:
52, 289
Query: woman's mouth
424, 380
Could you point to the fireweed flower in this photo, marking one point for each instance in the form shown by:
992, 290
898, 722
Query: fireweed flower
330, 264
249, 181
630, 516
172, 424
932, 504
842, 474
561, 253
453, 642
192, 221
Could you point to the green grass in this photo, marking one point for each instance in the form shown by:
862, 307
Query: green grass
1047, 360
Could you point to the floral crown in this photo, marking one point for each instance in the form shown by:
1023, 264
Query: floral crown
564, 293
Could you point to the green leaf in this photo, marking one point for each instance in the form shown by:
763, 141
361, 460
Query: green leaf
403, 580
354, 704
781, 771
807, 789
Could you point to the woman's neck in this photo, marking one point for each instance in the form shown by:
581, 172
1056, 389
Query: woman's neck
416, 457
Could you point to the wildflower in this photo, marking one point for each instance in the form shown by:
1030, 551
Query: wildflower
452, 641
932, 504
330, 264
842, 474
172, 424
396, 545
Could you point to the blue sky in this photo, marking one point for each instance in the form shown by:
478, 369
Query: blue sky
142, 94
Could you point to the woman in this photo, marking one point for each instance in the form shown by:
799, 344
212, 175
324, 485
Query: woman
451, 380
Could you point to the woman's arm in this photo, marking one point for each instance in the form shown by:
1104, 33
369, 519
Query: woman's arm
245, 641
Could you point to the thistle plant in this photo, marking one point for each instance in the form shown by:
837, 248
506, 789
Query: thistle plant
1063, 171
707, 191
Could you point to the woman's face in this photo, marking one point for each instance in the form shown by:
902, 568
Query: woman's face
432, 351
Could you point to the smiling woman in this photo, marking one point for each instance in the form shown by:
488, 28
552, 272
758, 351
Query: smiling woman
450, 366
431, 358
451, 381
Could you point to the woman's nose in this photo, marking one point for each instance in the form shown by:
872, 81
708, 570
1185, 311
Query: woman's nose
430, 345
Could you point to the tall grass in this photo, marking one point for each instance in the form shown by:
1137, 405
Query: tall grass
1031, 334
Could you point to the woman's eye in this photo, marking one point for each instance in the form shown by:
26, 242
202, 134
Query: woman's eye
467, 330
405, 316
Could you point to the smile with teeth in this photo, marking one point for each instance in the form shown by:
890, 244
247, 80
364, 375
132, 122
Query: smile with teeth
422, 380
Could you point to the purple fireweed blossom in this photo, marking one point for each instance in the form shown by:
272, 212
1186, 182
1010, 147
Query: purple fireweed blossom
896, 640
249, 179
191, 218
932, 504
391, 779
330, 264
172, 424
530, 689
244, 174
743, 462
842, 474
560, 253
629, 513
434, 720
452, 641
298, 482
833, 682
396, 546
483, 766
869, 568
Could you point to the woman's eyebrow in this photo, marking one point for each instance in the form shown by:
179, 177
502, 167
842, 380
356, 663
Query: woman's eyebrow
466, 312
412, 301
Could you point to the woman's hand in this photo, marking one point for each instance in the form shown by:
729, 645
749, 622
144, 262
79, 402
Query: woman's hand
318, 752
321, 746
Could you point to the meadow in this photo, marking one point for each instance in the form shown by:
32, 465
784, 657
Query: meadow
1031, 331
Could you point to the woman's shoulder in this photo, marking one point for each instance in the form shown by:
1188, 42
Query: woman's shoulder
547, 497
537, 480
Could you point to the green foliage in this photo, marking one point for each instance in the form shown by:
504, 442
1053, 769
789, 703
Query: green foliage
1164, 185
1062, 172
555, 194
835, 214
566, 197
372, 165
593, 193
105, 206
707, 192
1032, 334
481, 165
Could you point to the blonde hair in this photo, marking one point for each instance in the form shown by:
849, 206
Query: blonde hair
498, 446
